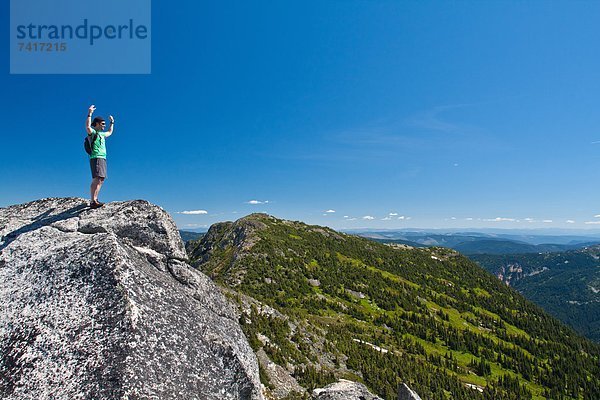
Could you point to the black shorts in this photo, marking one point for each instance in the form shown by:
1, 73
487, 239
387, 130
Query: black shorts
98, 166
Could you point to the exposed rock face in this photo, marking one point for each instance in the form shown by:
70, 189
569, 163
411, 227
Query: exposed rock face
344, 390
406, 393
283, 382
100, 304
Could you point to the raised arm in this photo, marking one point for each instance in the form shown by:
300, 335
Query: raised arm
110, 128
88, 121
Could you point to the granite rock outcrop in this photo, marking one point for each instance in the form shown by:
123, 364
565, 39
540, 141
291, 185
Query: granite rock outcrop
103, 304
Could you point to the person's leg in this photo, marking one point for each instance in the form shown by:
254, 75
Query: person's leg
98, 168
93, 189
96, 185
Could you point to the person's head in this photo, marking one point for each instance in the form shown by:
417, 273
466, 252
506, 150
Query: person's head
99, 124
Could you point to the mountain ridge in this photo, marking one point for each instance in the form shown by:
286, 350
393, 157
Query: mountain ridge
356, 301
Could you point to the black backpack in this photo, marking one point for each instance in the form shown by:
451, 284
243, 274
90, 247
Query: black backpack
88, 143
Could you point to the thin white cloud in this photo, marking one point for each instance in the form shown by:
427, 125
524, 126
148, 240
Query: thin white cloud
253, 202
528, 219
597, 216
500, 219
452, 218
592, 222
388, 218
195, 226
547, 221
330, 211
351, 219
570, 221
393, 214
193, 212
432, 119
469, 219
368, 217
346, 216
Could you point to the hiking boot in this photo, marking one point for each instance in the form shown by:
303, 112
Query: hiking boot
96, 204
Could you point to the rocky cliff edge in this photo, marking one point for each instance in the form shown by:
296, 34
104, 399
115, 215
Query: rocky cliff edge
102, 304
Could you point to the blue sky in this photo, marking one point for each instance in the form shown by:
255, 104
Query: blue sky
392, 114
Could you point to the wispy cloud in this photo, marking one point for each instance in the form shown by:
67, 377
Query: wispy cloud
193, 212
330, 211
597, 216
253, 202
402, 217
570, 221
592, 222
499, 219
432, 119
388, 218
393, 214
368, 217
547, 221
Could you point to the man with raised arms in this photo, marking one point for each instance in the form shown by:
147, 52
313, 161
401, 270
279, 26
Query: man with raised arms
95, 129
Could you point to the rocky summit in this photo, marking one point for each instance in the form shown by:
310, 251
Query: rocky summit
101, 304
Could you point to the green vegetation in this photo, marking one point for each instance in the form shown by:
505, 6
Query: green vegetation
565, 284
350, 307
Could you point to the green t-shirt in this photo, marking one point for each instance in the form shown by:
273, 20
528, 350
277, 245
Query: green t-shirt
99, 148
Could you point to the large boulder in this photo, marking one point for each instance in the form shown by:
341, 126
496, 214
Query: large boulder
344, 390
101, 304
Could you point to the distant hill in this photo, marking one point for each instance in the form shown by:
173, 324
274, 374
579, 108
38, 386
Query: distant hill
566, 284
318, 305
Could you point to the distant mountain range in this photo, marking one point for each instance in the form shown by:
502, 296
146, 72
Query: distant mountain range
482, 243
532, 236
186, 236
318, 305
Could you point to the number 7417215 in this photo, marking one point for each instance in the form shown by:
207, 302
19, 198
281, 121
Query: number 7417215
41, 46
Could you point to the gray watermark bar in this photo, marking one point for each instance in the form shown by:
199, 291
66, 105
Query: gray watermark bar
80, 37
